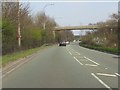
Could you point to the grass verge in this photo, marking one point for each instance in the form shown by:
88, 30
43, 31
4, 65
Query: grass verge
15, 56
103, 49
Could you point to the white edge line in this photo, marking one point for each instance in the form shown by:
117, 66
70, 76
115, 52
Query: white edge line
10, 71
110, 75
90, 65
91, 60
100, 81
15, 68
78, 61
117, 74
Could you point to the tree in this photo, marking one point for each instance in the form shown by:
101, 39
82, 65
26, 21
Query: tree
106, 35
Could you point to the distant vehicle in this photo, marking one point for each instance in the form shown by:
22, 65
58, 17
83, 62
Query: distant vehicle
67, 42
74, 40
62, 44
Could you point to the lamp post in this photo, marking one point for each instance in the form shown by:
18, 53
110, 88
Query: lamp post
46, 6
44, 23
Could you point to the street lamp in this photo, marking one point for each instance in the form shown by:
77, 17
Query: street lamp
47, 6
44, 23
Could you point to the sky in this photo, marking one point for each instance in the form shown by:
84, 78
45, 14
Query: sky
75, 13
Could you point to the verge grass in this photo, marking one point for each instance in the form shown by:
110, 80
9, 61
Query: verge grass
15, 56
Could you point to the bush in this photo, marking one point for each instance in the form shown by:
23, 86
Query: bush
100, 48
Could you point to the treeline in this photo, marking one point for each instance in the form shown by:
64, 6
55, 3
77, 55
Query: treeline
106, 36
35, 31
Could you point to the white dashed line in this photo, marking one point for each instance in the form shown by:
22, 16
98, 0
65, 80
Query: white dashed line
91, 60
72, 49
70, 53
101, 81
78, 61
109, 75
78, 53
106, 68
117, 74
90, 65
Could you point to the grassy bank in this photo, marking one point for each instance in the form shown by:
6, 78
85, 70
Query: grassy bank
15, 56
100, 48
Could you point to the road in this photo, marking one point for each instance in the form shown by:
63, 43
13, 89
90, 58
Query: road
66, 67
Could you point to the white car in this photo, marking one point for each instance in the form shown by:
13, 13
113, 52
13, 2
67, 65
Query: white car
74, 40
67, 42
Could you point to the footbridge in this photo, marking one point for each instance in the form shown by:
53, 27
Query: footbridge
90, 27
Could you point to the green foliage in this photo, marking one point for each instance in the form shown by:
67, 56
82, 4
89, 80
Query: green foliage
0, 24
7, 28
36, 34
14, 56
100, 48
31, 28
0, 34
8, 36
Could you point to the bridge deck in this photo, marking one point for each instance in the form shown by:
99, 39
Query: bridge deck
76, 28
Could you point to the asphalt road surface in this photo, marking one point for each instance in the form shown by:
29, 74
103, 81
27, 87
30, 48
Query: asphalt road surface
66, 67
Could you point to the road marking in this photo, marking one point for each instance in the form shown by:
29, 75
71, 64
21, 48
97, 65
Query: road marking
78, 61
78, 53
15, 68
117, 74
70, 53
91, 60
101, 81
109, 75
90, 65
106, 68
10, 70
72, 49
67, 49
